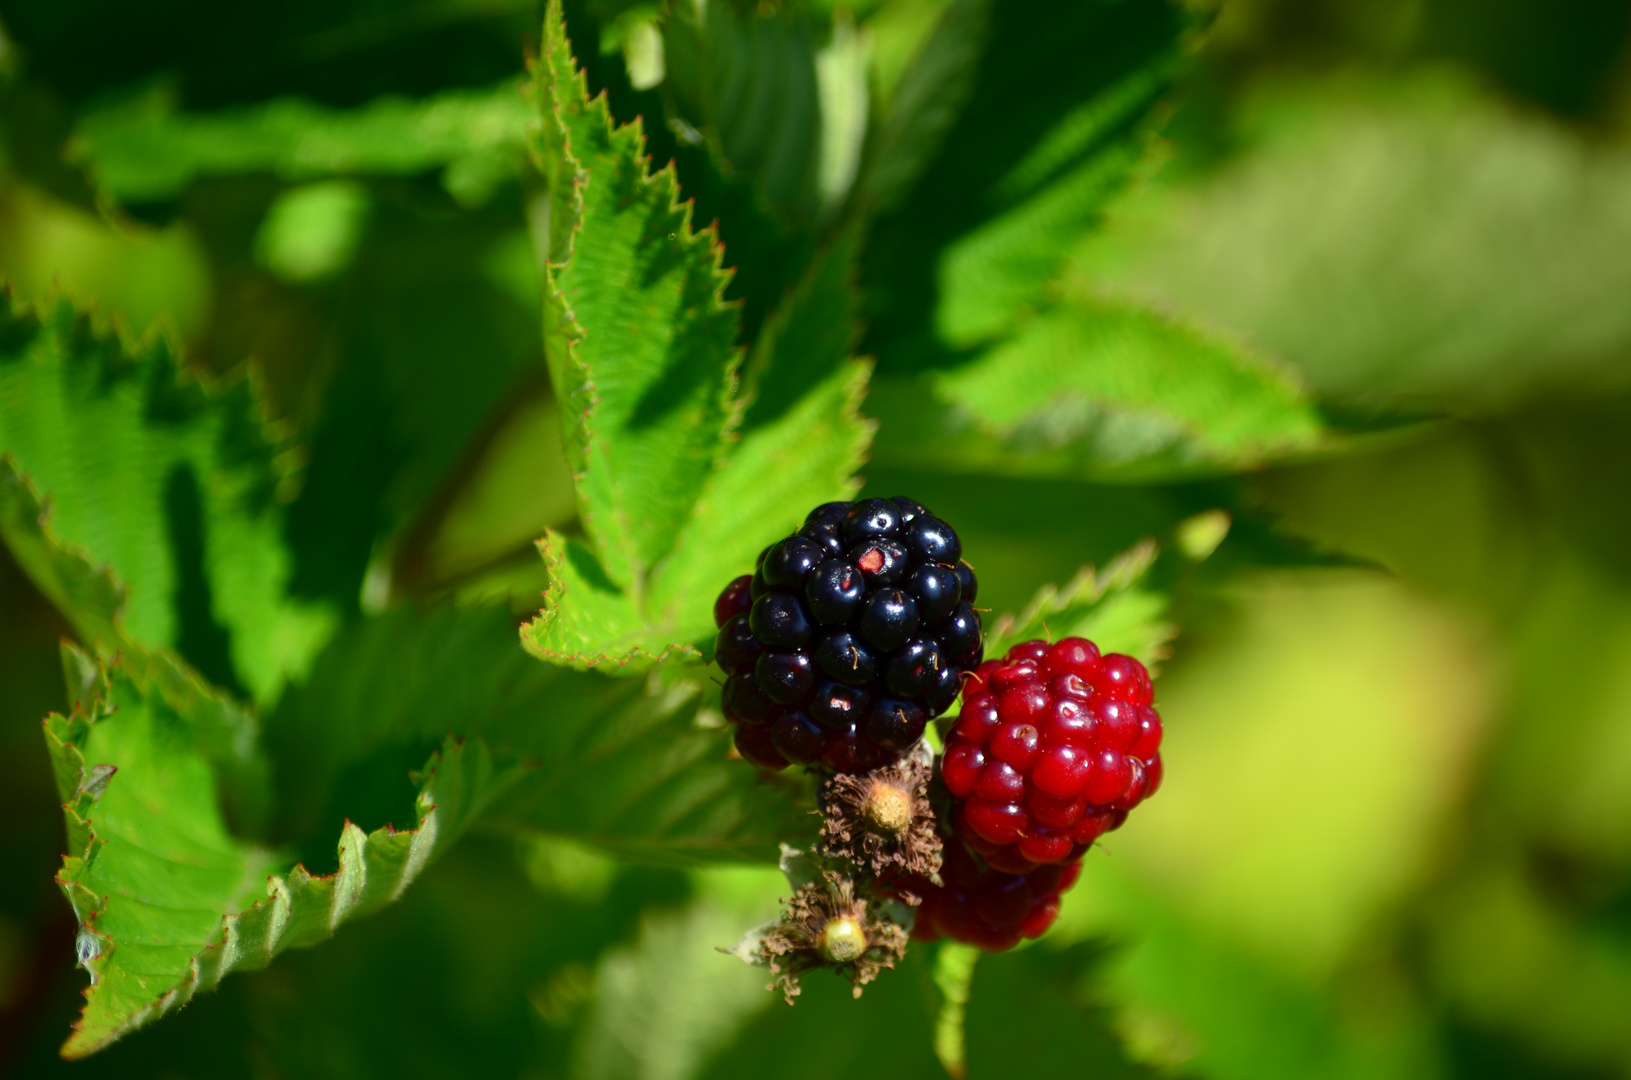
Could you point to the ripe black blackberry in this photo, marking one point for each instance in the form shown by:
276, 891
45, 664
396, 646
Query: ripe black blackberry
850, 636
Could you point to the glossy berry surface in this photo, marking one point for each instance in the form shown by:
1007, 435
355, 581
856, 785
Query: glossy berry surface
985, 907
1054, 745
848, 637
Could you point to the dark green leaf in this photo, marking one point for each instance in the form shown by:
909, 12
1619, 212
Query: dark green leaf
1054, 124
778, 97
624, 764
932, 91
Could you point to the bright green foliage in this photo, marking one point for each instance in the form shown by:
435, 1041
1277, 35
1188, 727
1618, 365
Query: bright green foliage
92, 600
1050, 131
667, 500
144, 150
802, 440
1117, 608
1333, 324
168, 899
173, 484
638, 339
1055, 192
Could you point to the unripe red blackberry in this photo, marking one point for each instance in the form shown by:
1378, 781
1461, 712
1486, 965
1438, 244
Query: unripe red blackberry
985, 907
1055, 743
848, 638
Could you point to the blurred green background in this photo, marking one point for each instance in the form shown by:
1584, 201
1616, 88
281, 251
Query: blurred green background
1395, 835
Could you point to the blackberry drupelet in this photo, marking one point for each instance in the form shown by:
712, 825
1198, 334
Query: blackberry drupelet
848, 638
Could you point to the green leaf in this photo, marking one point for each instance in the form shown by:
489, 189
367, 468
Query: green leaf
143, 149
1348, 289
1058, 117
667, 1002
1116, 608
803, 439
932, 91
91, 600
174, 484
777, 97
1098, 389
645, 373
993, 273
168, 899
639, 341
631, 765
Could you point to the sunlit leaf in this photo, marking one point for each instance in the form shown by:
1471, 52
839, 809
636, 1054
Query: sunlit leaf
1099, 389
169, 900
173, 484
675, 503
1117, 608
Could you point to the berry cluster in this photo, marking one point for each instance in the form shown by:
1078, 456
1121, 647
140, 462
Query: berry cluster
988, 908
849, 638
1054, 745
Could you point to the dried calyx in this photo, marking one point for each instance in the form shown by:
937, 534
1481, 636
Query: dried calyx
827, 926
882, 821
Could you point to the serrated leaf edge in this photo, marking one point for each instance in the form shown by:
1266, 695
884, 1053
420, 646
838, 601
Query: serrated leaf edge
555, 592
247, 939
1087, 587
666, 182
